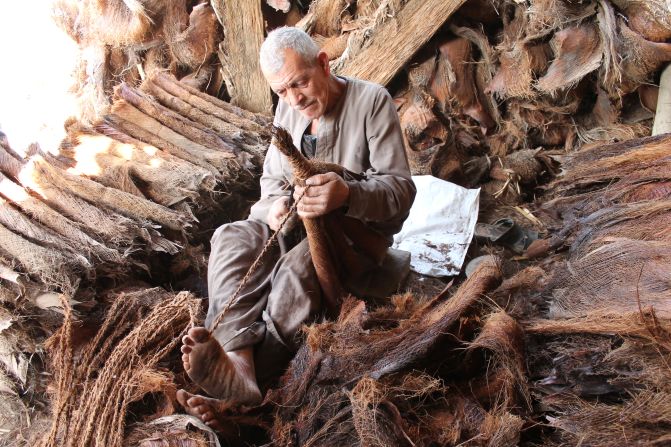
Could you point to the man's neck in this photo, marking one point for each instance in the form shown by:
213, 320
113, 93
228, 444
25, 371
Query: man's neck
336, 88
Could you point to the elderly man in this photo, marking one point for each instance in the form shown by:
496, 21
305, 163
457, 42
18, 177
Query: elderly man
336, 119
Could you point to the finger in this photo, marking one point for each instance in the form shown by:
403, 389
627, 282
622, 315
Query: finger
279, 212
320, 179
313, 204
321, 193
311, 211
276, 216
309, 214
283, 205
280, 202
298, 193
315, 191
307, 193
312, 201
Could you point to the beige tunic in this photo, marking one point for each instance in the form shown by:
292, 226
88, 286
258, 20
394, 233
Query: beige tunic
363, 134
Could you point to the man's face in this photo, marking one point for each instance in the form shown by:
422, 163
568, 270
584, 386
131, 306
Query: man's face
301, 85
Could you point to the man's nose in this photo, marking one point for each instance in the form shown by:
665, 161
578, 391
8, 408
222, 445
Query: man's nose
295, 97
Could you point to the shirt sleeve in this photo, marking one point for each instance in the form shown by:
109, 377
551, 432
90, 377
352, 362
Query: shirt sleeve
274, 184
387, 191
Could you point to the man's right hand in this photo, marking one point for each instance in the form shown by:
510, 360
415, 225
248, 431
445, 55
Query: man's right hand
278, 210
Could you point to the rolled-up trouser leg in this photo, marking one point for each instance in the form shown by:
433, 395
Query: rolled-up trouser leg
235, 246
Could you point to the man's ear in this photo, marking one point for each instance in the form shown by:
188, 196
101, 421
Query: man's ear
323, 61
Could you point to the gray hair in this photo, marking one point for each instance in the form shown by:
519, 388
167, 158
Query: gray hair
272, 50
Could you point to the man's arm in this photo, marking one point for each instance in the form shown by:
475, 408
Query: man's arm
387, 191
274, 186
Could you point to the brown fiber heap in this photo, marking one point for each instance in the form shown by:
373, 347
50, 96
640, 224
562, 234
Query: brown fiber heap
408, 374
599, 318
96, 384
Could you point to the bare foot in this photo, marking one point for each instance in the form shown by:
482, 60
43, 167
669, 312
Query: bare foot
207, 410
229, 376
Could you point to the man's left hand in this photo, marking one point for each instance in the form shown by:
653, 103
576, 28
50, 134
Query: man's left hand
326, 192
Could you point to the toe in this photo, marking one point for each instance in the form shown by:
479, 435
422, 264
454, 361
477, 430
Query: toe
199, 334
202, 410
196, 401
218, 405
187, 341
183, 398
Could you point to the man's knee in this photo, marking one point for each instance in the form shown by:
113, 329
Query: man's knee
239, 231
223, 233
234, 247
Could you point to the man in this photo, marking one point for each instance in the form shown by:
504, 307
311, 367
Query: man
344, 121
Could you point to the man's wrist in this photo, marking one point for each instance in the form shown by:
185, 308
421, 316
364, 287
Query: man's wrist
347, 195
351, 202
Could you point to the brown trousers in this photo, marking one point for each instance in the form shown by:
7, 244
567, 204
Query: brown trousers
281, 295
276, 301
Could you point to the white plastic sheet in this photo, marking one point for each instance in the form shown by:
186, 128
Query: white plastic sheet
440, 226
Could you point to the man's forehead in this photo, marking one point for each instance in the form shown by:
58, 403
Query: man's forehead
293, 57
288, 74
294, 64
